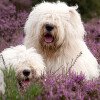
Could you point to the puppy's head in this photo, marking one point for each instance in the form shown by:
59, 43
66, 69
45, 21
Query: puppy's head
30, 67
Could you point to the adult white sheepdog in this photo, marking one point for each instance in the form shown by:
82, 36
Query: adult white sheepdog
57, 32
27, 63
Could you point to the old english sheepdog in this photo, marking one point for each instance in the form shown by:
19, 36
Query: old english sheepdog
27, 63
57, 33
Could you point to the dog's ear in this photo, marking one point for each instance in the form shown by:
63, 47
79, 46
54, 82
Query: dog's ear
73, 10
74, 15
75, 20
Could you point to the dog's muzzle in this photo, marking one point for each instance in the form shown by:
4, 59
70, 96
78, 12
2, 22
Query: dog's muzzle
26, 73
48, 37
49, 27
26, 80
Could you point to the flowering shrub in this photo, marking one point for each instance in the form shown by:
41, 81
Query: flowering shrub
70, 87
51, 87
93, 37
11, 24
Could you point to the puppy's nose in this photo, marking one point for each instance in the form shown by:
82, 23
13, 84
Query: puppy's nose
49, 27
26, 72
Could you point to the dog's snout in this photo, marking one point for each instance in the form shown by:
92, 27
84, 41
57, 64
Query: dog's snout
26, 72
49, 27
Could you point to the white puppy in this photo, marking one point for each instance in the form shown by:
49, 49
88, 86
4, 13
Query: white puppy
27, 63
57, 32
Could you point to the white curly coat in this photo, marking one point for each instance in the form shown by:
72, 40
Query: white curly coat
19, 58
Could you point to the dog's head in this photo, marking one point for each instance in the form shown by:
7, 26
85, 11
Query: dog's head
30, 68
50, 25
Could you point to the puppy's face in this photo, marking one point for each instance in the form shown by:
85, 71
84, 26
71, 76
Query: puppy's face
25, 77
26, 74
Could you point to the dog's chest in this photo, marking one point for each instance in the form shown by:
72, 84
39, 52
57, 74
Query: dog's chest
56, 65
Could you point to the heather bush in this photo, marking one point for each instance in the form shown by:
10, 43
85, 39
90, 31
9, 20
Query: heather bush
54, 87
93, 37
70, 87
11, 24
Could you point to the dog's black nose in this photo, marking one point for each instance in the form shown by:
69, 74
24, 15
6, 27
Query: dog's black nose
26, 72
49, 27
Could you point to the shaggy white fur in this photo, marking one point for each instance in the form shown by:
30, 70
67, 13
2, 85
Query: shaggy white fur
57, 32
27, 63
